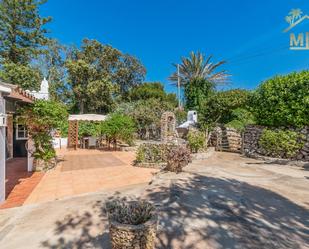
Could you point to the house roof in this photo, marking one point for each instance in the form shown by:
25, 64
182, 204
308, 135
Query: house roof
87, 117
17, 93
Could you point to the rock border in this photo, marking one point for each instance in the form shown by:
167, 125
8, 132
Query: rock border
150, 165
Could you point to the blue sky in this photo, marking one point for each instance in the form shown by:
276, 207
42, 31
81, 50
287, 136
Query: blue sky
248, 34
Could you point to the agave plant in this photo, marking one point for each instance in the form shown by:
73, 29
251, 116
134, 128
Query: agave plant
131, 213
198, 67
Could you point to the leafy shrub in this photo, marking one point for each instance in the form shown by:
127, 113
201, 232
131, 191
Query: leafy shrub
181, 116
25, 76
281, 143
151, 90
152, 153
118, 127
41, 118
240, 119
177, 158
218, 107
282, 101
131, 213
196, 91
87, 128
146, 115
196, 140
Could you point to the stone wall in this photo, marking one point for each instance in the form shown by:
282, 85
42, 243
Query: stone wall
253, 133
168, 127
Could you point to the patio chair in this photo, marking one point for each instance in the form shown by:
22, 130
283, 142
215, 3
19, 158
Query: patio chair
92, 142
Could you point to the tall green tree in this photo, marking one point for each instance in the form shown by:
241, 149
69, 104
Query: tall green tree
93, 91
154, 90
97, 73
129, 73
25, 76
52, 66
22, 32
199, 77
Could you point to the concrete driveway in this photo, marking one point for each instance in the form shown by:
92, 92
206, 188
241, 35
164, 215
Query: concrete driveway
225, 201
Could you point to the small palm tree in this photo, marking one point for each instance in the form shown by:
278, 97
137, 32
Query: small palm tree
295, 13
197, 67
288, 19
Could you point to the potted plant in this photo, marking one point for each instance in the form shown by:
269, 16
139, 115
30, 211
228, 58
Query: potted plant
132, 224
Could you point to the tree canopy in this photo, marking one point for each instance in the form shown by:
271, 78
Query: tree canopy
196, 92
149, 90
26, 76
118, 127
97, 73
22, 32
146, 114
196, 66
219, 107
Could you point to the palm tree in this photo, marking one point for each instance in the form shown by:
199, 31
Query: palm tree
288, 19
295, 13
197, 67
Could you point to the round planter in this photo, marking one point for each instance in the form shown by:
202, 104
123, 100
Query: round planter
141, 236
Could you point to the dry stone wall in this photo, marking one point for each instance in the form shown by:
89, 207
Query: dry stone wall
125, 236
252, 136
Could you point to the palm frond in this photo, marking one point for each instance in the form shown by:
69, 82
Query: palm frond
197, 66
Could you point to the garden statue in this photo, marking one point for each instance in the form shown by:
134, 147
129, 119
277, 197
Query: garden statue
191, 120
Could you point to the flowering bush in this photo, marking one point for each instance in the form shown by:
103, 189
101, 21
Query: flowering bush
152, 153
177, 158
196, 140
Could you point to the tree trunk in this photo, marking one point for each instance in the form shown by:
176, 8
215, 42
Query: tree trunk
81, 107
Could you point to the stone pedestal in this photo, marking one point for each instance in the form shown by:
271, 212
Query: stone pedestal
9, 135
141, 236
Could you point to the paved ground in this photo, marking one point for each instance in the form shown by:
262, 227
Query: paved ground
18, 182
225, 201
85, 171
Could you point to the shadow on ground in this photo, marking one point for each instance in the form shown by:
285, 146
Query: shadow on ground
201, 212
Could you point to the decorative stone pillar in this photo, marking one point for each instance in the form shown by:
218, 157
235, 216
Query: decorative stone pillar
168, 127
2, 152
9, 135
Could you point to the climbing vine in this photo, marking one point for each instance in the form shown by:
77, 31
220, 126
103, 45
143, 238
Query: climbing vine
41, 119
